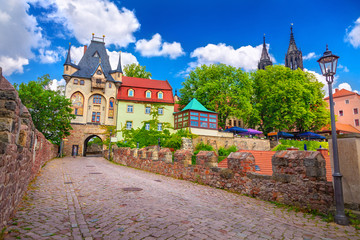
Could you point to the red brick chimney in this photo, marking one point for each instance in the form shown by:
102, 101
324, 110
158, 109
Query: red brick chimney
85, 48
336, 90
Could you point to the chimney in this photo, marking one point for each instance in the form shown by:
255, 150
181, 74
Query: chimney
336, 90
85, 48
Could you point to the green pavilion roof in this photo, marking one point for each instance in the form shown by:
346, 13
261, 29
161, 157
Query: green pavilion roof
196, 105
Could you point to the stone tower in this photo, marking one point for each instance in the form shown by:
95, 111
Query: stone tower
293, 58
265, 59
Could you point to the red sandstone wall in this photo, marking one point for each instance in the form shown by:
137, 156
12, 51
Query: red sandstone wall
299, 177
23, 150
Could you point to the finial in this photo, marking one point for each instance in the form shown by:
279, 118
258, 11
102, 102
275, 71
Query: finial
175, 92
103, 36
99, 59
69, 43
264, 39
93, 34
327, 49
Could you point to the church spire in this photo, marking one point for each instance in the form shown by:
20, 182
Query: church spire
68, 57
119, 68
293, 58
265, 58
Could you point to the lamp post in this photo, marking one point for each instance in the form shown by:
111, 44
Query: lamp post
110, 144
328, 63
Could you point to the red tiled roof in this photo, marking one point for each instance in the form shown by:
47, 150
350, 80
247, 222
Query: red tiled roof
341, 127
145, 83
342, 93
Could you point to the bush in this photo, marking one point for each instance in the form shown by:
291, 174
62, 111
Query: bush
174, 141
203, 147
226, 151
124, 144
311, 145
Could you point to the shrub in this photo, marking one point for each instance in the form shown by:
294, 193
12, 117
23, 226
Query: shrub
125, 144
202, 147
226, 151
311, 145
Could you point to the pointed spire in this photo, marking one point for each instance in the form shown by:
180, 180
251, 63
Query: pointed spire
265, 58
68, 57
119, 68
292, 39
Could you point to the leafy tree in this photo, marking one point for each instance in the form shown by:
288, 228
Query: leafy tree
287, 99
221, 88
136, 70
50, 111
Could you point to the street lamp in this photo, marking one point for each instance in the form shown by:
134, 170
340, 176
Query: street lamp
328, 63
110, 144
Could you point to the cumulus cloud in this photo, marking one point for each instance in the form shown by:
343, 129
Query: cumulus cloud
84, 17
12, 65
155, 47
345, 86
57, 84
344, 68
246, 57
51, 56
20, 34
310, 55
353, 34
126, 58
76, 54
322, 79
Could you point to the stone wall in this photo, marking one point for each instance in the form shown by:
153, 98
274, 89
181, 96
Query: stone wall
299, 177
23, 150
241, 143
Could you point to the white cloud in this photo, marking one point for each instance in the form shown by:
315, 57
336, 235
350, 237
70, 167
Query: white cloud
155, 47
310, 55
76, 54
126, 58
344, 68
246, 57
84, 17
51, 56
57, 84
322, 79
12, 65
19, 34
345, 86
353, 34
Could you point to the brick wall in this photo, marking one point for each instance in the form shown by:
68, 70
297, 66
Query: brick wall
298, 177
23, 150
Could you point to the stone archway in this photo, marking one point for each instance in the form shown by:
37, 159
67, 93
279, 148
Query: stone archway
86, 144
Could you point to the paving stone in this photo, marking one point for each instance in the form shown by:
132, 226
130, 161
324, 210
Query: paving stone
94, 206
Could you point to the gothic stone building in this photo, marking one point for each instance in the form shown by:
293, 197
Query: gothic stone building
91, 85
293, 57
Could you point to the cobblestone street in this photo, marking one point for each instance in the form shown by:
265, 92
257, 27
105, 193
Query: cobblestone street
91, 198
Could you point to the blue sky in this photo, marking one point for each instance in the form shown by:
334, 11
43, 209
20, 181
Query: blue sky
172, 37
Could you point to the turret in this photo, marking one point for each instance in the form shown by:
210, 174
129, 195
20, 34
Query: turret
265, 58
293, 57
117, 73
69, 67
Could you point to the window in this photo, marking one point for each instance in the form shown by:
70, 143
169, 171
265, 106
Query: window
130, 109
234, 123
98, 72
159, 127
203, 119
160, 111
147, 110
229, 122
212, 120
347, 101
212, 125
76, 81
160, 95
185, 114
67, 68
194, 123
82, 82
111, 108
77, 100
194, 118
97, 99
98, 81
185, 124
186, 118
110, 85
180, 125
239, 123
212, 116
203, 115
147, 126
203, 124
128, 125
95, 117
356, 111
341, 113
356, 122
194, 113
130, 93
148, 94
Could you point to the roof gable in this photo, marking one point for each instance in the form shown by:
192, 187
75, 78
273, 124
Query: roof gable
194, 104
342, 93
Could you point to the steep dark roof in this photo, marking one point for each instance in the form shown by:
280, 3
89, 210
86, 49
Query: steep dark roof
89, 63
265, 58
68, 59
119, 68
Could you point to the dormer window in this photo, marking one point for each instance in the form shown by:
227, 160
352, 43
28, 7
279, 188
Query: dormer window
148, 94
98, 72
160, 95
96, 54
130, 93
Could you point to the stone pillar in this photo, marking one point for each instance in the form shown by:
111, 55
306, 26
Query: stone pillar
241, 162
183, 157
165, 155
207, 159
349, 160
187, 144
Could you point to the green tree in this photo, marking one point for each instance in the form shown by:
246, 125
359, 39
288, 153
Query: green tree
50, 110
284, 99
224, 89
136, 70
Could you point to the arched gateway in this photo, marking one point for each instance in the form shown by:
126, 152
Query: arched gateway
91, 85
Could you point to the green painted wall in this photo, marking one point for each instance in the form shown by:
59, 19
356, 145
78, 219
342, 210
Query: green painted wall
138, 115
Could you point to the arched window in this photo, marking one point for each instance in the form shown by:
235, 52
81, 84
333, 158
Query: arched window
160, 95
77, 100
130, 93
97, 99
111, 108
148, 94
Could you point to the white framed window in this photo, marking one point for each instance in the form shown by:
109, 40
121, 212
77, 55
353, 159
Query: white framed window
341, 113
147, 110
147, 126
357, 122
128, 125
159, 128
347, 101
130, 93
356, 111
148, 94
160, 95
130, 109
160, 111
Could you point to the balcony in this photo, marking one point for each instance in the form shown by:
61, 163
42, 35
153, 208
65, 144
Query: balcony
98, 83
